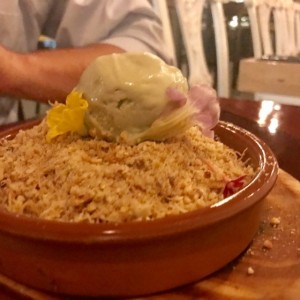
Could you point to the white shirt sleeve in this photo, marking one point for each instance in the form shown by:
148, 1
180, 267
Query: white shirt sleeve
131, 25
128, 24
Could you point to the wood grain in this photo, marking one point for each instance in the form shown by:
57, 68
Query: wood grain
273, 257
276, 270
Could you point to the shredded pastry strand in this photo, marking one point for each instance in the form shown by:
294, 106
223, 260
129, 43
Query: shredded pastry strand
74, 179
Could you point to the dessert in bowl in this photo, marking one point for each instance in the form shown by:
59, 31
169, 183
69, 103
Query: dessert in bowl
132, 214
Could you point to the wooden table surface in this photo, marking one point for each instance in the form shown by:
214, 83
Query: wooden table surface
270, 267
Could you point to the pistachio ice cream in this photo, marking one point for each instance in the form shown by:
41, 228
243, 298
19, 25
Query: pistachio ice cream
132, 97
127, 93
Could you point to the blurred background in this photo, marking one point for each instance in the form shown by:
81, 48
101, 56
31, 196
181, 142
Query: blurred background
239, 39
214, 42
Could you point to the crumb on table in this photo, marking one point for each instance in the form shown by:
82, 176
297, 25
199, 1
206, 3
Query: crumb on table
275, 221
267, 244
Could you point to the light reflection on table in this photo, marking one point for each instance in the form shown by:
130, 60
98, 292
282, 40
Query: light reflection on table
276, 124
268, 115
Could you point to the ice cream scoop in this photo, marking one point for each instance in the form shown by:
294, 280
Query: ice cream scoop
132, 97
126, 93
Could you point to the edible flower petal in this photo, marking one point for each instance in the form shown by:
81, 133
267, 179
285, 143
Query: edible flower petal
206, 101
234, 186
203, 99
69, 117
175, 96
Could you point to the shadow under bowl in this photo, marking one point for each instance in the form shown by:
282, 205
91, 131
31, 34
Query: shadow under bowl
138, 258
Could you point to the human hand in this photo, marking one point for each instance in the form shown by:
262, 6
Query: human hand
7, 63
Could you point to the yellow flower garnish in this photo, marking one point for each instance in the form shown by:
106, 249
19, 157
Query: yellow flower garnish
69, 117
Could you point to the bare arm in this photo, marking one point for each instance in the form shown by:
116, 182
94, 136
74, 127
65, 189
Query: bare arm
48, 74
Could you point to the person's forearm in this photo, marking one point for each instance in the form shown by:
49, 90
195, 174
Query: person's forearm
49, 75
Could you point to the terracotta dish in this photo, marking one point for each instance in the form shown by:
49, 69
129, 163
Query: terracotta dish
139, 258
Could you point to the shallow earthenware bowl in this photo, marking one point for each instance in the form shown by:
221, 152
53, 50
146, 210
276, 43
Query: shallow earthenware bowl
138, 258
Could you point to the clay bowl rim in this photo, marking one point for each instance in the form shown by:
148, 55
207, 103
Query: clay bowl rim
67, 232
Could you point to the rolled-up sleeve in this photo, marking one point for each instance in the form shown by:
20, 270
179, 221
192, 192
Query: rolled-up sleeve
131, 25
